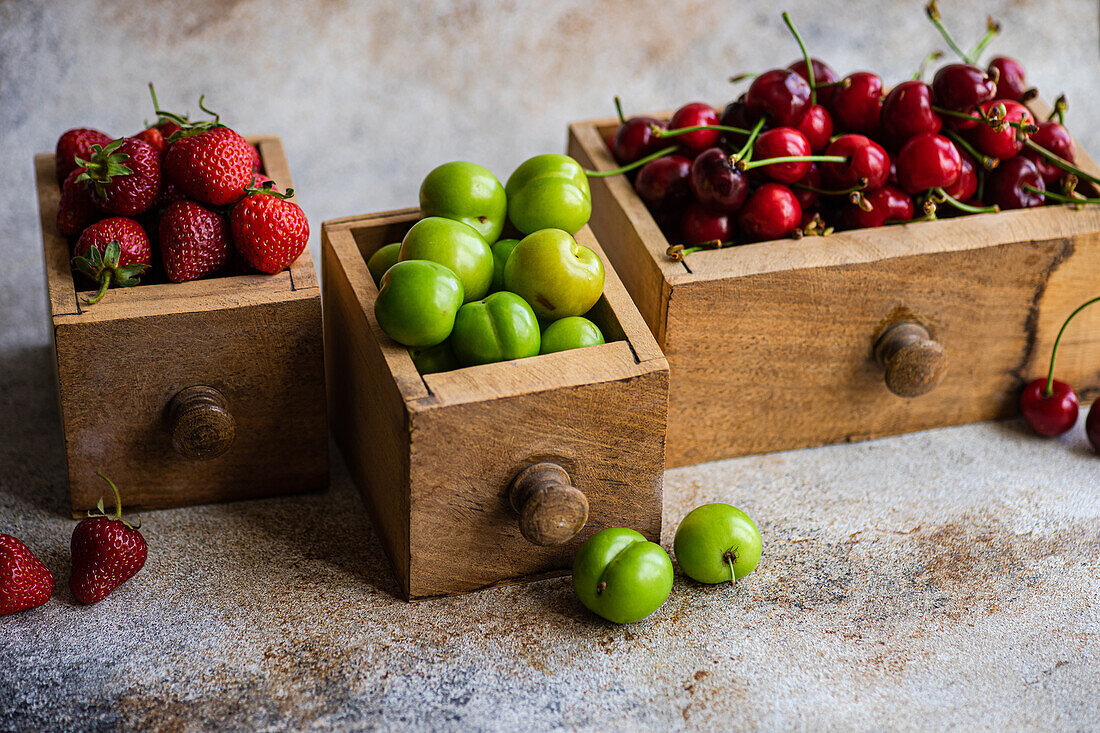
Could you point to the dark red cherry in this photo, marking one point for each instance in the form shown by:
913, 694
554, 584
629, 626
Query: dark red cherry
700, 224
663, 183
635, 139
857, 104
781, 142
780, 96
1049, 415
928, 161
735, 115
866, 160
715, 183
1092, 425
966, 185
888, 203
962, 87
817, 126
693, 115
812, 179
771, 212
823, 74
1055, 138
907, 111
1004, 185
1005, 143
1011, 78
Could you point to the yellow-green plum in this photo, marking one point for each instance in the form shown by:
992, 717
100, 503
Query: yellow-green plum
383, 259
553, 273
716, 542
465, 192
548, 191
502, 248
417, 303
434, 359
457, 246
571, 332
621, 576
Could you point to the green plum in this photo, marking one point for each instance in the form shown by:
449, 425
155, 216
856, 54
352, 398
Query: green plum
417, 303
457, 246
383, 259
502, 248
465, 192
717, 542
571, 332
499, 328
553, 273
620, 575
434, 359
548, 191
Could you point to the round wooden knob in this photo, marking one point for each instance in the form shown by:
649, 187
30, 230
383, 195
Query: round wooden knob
914, 363
551, 510
200, 423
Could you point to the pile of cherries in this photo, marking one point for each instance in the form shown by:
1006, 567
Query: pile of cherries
804, 152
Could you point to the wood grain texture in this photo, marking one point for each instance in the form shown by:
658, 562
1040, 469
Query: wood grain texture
254, 338
435, 456
770, 344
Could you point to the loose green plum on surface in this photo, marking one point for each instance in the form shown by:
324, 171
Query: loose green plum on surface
417, 302
621, 576
554, 274
499, 328
548, 191
457, 246
571, 332
716, 542
383, 259
502, 248
465, 192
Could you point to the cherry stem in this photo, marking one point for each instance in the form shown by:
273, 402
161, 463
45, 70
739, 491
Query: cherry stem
945, 197
932, 10
805, 55
826, 192
631, 166
746, 166
1060, 161
1061, 197
745, 153
1059, 111
664, 132
992, 28
741, 77
1049, 389
924, 64
986, 161
845, 82
619, 110
1025, 127
677, 252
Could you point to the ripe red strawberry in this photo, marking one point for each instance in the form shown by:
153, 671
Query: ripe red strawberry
112, 251
194, 241
154, 137
257, 164
76, 143
158, 133
76, 210
24, 581
212, 165
107, 551
125, 176
169, 194
269, 231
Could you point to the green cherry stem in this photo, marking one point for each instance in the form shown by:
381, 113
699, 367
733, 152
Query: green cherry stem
631, 166
932, 10
845, 83
741, 77
1049, 389
1060, 161
944, 196
619, 110
1061, 197
745, 153
743, 165
729, 557
677, 252
992, 28
660, 132
986, 161
935, 55
1025, 127
805, 55
827, 192
1059, 111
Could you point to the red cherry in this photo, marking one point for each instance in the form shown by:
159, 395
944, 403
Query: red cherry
715, 183
1004, 185
1011, 78
823, 74
857, 104
1055, 138
1092, 425
966, 185
817, 126
780, 96
866, 160
635, 139
1049, 415
771, 212
907, 111
928, 161
1001, 144
693, 115
812, 179
962, 87
888, 203
663, 183
781, 142
735, 115
700, 224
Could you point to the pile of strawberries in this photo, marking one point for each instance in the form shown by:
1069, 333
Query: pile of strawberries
192, 192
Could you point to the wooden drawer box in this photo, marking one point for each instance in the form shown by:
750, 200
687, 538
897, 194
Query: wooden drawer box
435, 456
771, 345
147, 376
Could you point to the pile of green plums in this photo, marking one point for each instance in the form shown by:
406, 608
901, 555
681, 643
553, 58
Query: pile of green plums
620, 575
457, 294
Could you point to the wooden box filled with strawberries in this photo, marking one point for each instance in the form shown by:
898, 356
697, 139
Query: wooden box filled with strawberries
497, 400
185, 313
826, 260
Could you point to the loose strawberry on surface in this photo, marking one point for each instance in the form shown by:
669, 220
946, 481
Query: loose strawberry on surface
25, 582
113, 251
269, 231
106, 550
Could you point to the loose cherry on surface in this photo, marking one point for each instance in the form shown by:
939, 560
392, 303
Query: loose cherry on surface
966, 185
857, 103
888, 203
962, 87
928, 161
700, 224
780, 96
1056, 138
823, 75
817, 126
907, 111
1092, 425
771, 212
867, 164
1011, 79
1001, 141
695, 114
780, 142
1006, 185
636, 139
664, 183
716, 183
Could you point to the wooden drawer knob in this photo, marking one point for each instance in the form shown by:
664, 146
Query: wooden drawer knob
551, 510
200, 423
914, 363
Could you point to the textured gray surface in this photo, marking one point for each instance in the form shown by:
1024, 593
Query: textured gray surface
940, 580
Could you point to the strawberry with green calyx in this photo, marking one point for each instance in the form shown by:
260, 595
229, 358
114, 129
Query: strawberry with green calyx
73, 144
114, 251
25, 582
107, 551
269, 231
106, 271
157, 134
208, 161
124, 175
76, 209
